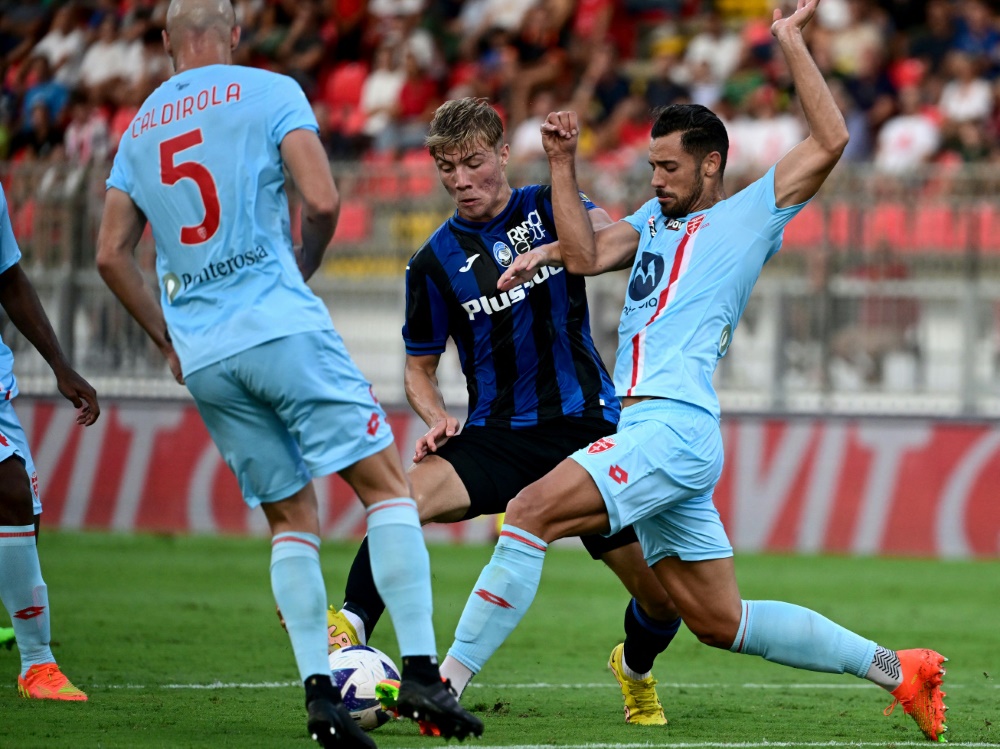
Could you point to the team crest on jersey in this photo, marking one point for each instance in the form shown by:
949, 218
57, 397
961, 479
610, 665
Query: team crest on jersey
605, 443
695, 224
652, 226
674, 224
503, 254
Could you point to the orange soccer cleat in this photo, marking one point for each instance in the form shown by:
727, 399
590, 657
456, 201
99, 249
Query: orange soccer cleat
920, 693
44, 681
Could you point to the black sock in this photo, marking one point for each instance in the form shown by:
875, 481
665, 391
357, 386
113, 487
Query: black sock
423, 669
319, 686
645, 638
361, 596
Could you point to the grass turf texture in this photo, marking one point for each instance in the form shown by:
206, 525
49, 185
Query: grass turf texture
140, 620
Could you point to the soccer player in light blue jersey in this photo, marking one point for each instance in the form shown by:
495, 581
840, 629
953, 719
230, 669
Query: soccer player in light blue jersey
203, 162
22, 589
695, 254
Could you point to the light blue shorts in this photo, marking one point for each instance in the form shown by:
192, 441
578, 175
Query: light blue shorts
288, 410
14, 442
657, 473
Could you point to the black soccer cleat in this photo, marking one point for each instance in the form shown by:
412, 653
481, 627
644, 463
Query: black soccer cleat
437, 704
332, 727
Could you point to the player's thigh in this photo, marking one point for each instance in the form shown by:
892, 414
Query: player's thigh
378, 477
706, 594
565, 502
253, 440
322, 398
19, 500
438, 490
664, 452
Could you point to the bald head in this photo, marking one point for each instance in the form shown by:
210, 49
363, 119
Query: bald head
201, 16
200, 32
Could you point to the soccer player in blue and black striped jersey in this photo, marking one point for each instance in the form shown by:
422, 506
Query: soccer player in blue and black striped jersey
538, 389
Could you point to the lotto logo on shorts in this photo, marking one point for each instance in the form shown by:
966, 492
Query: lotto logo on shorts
373, 424
605, 443
619, 474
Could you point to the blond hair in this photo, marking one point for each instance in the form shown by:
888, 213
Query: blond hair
462, 124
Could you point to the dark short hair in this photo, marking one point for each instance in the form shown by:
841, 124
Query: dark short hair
701, 130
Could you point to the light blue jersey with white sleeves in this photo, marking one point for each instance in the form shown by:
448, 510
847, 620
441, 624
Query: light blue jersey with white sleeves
690, 283
201, 160
10, 254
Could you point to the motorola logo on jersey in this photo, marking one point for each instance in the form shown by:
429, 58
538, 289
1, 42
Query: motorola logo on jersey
174, 284
503, 254
646, 276
506, 299
527, 234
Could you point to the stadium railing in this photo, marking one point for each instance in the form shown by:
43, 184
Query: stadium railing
884, 299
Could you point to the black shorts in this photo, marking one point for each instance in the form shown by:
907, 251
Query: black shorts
496, 463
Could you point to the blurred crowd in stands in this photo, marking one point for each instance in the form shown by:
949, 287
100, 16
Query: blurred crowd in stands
919, 82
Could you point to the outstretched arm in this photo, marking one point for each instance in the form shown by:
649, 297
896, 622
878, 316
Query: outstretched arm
802, 170
21, 303
121, 229
583, 250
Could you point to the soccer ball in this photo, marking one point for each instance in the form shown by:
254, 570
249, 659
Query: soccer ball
355, 671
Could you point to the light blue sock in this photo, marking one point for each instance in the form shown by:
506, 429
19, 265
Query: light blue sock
795, 636
402, 573
24, 594
297, 582
503, 593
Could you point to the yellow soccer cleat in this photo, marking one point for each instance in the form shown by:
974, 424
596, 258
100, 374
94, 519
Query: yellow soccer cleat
920, 693
642, 706
44, 681
341, 632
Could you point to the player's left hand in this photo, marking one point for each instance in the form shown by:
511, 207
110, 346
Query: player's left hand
523, 269
80, 393
804, 12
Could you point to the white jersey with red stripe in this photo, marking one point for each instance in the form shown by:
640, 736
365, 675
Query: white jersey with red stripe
689, 286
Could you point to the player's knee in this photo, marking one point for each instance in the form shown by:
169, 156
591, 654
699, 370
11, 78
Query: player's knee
716, 633
527, 512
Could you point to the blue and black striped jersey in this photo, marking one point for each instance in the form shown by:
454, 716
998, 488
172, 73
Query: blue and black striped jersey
527, 354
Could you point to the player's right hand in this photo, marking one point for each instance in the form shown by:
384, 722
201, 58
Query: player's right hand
560, 133
175, 364
80, 393
436, 436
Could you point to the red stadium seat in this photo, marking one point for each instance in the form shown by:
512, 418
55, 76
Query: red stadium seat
355, 222
887, 224
939, 229
420, 173
985, 228
805, 231
342, 94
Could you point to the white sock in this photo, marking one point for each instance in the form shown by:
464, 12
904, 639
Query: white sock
459, 674
359, 626
632, 674
885, 669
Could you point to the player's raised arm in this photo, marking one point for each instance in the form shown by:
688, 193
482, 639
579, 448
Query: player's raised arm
583, 250
306, 160
802, 170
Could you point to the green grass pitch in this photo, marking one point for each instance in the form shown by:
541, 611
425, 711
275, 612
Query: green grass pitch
177, 643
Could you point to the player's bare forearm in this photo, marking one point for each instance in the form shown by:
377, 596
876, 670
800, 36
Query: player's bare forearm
577, 246
423, 393
801, 172
306, 160
24, 308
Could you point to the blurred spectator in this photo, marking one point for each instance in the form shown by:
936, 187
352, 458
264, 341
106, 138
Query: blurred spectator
87, 138
859, 147
104, 63
662, 87
63, 45
715, 46
418, 98
42, 88
526, 141
761, 136
965, 97
932, 42
301, 51
976, 30
541, 58
880, 324
380, 91
908, 140
602, 87
39, 139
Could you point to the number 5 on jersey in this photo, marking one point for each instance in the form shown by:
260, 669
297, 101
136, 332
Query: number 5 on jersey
171, 173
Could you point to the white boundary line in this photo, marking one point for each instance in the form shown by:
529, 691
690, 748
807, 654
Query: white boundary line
735, 745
